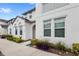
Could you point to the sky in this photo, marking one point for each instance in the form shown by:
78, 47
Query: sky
11, 10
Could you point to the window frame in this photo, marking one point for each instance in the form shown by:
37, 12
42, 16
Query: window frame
47, 22
20, 30
30, 16
10, 31
16, 31
60, 28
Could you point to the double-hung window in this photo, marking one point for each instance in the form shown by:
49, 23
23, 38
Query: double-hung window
16, 31
21, 32
47, 28
10, 31
59, 27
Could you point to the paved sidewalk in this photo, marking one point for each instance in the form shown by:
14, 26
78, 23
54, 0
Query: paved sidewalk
9, 48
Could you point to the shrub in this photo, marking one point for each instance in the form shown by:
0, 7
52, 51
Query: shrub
51, 45
9, 37
12, 38
34, 41
43, 44
17, 39
75, 48
60, 46
68, 49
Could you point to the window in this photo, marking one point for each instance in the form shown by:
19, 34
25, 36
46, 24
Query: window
30, 16
47, 28
10, 31
21, 30
60, 27
15, 30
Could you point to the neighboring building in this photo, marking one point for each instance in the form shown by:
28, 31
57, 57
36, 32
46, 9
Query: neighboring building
23, 26
30, 14
3, 26
58, 22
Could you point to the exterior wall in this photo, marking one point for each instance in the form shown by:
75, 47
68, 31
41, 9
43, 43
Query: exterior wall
32, 29
27, 16
51, 6
2, 29
28, 31
3, 23
71, 24
10, 27
38, 9
26, 28
17, 23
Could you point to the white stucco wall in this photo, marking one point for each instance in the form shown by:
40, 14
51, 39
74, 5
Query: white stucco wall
51, 6
26, 28
71, 24
2, 29
33, 14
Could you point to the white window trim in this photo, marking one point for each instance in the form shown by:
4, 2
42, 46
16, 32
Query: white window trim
47, 28
59, 27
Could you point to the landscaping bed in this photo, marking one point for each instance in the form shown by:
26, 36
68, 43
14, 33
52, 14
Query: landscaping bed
1, 54
59, 52
13, 38
58, 48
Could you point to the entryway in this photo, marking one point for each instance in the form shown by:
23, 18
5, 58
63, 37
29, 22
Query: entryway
34, 31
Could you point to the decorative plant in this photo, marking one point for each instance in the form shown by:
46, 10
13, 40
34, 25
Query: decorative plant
13, 38
68, 49
60, 46
9, 37
34, 41
43, 44
75, 47
17, 39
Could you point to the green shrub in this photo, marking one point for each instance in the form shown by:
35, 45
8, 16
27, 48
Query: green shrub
34, 41
75, 47
51, 45
43, 44
68, 49
60, 46
9, 37
13, 38
17, 39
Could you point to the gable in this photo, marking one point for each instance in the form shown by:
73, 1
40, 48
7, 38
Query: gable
18, 21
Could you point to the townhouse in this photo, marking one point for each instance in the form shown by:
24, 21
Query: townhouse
3, 26
57, 22
22, 26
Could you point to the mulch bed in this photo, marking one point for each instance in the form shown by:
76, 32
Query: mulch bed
62, 53
1, 54
59, 52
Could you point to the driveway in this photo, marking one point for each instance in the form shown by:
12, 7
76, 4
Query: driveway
9, 48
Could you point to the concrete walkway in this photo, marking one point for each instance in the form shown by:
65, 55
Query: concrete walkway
9, 48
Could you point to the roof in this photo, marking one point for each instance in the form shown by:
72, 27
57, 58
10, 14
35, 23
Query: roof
3, 20
29, 11
11, 19
26, 20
